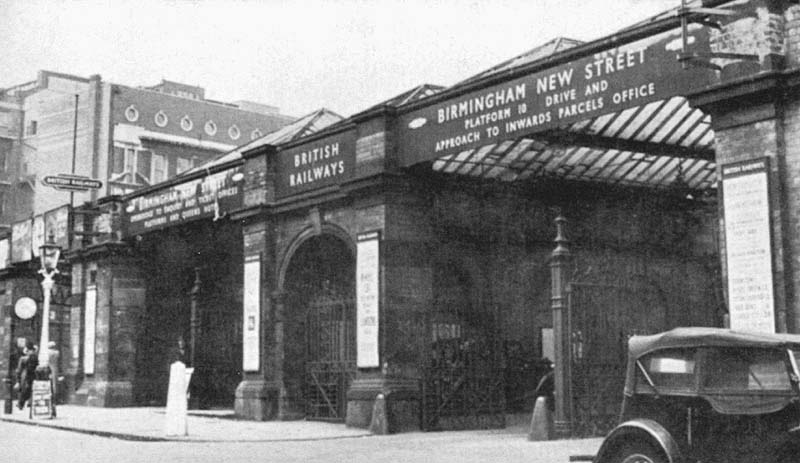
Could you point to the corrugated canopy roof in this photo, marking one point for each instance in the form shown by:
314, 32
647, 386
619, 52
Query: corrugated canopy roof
654, 145
302, 127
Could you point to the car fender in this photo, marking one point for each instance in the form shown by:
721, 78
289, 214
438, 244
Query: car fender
656, 434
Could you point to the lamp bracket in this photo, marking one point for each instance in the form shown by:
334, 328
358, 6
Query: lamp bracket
709, 17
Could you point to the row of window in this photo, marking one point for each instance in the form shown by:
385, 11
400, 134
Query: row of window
143, 167
210, 127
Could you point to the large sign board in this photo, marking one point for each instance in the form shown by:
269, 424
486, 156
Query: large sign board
252, 314
611, 81
322, 162
368, 273
748, 245
29, 235
201, 198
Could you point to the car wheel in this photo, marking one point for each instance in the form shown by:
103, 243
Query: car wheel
639, 453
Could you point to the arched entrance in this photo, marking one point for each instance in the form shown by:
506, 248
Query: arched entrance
320, 350
463, 383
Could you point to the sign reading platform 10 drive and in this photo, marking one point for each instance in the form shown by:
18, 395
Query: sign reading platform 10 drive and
206, 197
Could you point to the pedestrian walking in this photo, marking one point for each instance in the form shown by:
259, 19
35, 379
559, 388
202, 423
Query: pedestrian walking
26, 368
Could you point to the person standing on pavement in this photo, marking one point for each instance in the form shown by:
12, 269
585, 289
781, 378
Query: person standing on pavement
52, 361
25, 372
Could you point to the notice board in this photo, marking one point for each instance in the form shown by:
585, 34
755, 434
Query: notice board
748, 245
367, 300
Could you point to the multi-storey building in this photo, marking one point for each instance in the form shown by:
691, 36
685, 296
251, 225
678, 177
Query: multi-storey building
126, 137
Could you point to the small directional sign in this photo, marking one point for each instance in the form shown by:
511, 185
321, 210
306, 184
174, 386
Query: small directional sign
72, 182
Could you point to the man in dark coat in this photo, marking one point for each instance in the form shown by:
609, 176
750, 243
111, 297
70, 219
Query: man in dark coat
25, 373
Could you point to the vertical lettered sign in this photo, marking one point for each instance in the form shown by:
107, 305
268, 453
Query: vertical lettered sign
89, 334
748, 248
367, 299
251, 313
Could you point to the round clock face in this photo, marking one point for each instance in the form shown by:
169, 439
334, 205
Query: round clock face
25, 308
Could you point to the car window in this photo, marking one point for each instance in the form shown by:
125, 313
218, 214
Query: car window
732, 369
668, 369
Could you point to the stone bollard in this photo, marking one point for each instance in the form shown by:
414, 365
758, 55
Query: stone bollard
380, 419
542, 421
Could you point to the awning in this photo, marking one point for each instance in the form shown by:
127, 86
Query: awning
654, 145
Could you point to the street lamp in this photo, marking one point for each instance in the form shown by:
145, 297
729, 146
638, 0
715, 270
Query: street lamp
49, 254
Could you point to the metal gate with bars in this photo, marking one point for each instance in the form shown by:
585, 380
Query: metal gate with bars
602, 318
330, 357
463, 385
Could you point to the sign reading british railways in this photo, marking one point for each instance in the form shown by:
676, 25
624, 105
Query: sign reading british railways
606, 82
322, 162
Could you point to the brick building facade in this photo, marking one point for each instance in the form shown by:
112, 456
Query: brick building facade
397, 270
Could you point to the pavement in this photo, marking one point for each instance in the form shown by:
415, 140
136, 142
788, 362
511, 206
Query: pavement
148, 424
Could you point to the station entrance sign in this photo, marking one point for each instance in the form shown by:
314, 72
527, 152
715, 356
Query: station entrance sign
72, 182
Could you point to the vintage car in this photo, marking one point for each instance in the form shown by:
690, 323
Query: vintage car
708, 395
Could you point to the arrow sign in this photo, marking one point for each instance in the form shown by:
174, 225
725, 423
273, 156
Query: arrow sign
72, 182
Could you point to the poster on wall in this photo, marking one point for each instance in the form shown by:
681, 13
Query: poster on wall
367, 300
89, 336
4, 251
37, 234
251, 314
21, 241
56, 226
748, 248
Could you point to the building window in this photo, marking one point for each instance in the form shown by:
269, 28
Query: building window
135, 166
211, 128
144, 164
255, 134
32, 128
159, 169
161, 119
130, 161
234, 132
186, 123
184, 165
131, 113
118, 160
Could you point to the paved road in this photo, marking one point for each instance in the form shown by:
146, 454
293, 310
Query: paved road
23, 444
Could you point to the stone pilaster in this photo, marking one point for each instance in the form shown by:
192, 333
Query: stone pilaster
120, 289
759, 116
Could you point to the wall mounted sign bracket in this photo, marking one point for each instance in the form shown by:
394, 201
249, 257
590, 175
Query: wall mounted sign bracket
708, 17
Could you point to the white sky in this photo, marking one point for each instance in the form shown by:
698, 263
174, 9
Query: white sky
344, 55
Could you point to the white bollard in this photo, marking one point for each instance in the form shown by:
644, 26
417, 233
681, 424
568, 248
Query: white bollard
177, 401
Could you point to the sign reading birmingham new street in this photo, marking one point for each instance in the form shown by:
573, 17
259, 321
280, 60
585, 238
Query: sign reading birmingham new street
611, 81
207, 197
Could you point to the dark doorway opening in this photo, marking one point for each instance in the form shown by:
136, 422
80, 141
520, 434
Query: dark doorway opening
320, 351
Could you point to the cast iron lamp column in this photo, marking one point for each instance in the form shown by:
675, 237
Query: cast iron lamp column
559, 265
49, 254
194, 335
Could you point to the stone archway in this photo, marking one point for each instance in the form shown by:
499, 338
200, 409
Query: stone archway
319, 361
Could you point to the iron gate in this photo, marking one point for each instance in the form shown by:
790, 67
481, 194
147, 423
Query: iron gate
330, 357
463, 385
602, 318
